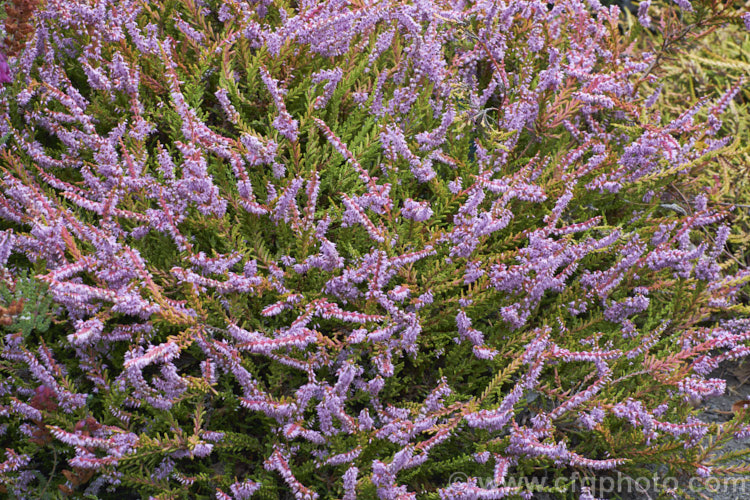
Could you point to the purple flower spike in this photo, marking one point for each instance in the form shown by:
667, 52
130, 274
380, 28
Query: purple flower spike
4, 70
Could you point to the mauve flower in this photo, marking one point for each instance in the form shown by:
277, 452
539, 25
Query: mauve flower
703, 471
245, 489
418, 211
4, 70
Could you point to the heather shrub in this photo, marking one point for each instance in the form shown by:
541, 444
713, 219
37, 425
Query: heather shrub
706, 65
347, 250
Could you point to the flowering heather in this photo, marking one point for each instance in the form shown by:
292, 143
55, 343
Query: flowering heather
343, 249
4, 70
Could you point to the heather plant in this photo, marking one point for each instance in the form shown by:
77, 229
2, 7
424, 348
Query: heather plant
347, 249
706, 65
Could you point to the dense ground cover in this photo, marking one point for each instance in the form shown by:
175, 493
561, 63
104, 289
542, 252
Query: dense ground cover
350, 250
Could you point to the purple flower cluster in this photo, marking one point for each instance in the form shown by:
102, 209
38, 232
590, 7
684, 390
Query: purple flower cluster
4, 70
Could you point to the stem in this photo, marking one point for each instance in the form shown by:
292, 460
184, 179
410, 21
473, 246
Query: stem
52, 474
